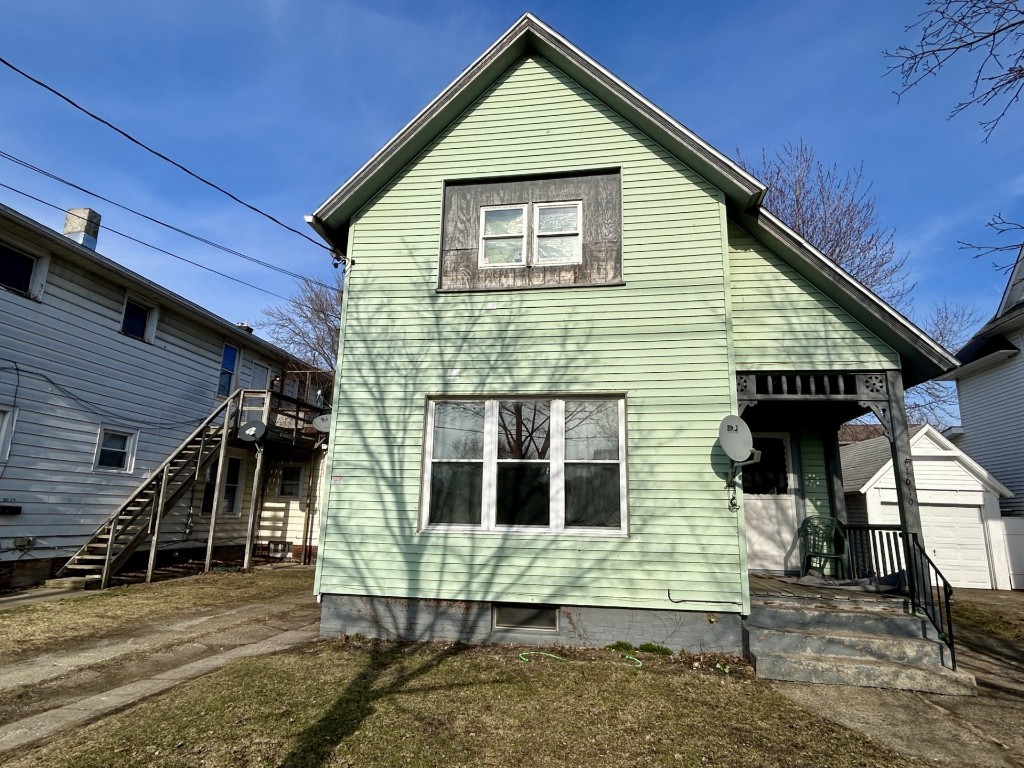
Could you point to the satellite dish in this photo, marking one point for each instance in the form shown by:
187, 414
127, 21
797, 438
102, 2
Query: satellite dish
735, 438
251, 431
322, 423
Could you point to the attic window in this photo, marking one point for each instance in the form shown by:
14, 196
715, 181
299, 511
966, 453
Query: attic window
542, 232
135, 320
23, 273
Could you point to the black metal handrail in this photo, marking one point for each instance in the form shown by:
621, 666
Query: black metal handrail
880, 551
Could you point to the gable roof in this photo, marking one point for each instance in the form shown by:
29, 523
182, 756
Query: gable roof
864, 464
33, 233
989, 344
922, 358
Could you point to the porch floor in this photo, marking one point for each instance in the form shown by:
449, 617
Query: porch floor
764, 585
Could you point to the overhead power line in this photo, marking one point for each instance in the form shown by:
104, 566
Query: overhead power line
148, 245
152, 151
49, 175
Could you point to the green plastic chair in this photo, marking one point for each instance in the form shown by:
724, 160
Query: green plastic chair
823, 541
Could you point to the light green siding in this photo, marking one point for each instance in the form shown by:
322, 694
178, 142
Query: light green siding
661, 340
781, 321
815, 475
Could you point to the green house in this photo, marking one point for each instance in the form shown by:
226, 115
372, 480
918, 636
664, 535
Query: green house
554, 295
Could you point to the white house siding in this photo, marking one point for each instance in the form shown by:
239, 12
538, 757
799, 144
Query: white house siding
992, 412
76, 374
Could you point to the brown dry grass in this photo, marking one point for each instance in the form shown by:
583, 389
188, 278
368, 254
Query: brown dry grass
336, 704
996, 613
63, 623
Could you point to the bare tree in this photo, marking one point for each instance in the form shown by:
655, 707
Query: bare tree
990, 31
308, 324
836, 213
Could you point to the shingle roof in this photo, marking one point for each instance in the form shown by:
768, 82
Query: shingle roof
861, 460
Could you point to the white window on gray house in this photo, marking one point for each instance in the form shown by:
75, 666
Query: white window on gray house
259, 377
135, 320
228, 365
21, 272
526, 464
115, 450
231, 498
8, 416
291, 480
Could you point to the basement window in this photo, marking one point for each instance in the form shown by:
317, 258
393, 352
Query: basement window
539, 618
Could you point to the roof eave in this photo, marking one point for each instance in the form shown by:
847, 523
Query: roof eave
529, 34
923, 358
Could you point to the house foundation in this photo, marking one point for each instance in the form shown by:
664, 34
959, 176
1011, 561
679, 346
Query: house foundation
392, 618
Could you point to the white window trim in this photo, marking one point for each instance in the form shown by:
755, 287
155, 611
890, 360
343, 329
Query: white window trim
488, 525
253, 364
153, 313
577, 257
221, 370
237, 510
8, 418
524, 210
40, 270
280, 480
129, 460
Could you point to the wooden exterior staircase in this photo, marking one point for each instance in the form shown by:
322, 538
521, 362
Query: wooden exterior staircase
138, 518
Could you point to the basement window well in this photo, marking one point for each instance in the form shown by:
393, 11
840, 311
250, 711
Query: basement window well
540, 618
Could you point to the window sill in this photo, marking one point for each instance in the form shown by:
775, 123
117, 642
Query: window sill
553, 286
583, 533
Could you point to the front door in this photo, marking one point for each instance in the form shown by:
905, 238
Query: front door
770, 509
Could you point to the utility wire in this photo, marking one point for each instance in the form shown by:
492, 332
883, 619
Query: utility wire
37, 169
162, 156
148, 245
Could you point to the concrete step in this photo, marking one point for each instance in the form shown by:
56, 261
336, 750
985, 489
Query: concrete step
886, 623
868, 673
906, 650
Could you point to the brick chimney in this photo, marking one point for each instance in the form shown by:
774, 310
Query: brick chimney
83, 226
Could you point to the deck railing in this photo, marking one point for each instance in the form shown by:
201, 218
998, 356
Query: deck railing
880, 551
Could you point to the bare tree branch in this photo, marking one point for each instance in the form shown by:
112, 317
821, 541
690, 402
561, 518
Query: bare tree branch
991, 29
308, 324
835, 213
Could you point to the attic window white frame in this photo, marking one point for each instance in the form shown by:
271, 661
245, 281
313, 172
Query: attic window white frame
152, 315
577, 232
40, 269
484, 238
557, 460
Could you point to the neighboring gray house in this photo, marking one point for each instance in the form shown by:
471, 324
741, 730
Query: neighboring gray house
964, 532
103, 375
989, 383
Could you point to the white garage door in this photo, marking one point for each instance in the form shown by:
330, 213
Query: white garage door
955, 539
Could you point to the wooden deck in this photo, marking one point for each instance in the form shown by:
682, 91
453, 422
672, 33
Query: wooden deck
770, 586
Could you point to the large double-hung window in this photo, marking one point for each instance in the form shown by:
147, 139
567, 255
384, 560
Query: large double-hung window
527, 464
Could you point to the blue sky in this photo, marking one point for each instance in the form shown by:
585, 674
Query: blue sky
280, 101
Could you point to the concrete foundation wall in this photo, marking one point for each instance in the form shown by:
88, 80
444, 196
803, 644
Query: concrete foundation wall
470, 622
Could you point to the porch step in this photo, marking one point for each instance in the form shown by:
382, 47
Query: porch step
871, 645
868, 673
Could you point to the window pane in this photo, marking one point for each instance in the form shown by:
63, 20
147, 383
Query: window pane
458, 430
135, 318
504, 251
113, 451
523, 494
230, 357
507, 221
557, 218
558, 250
455, 493
769, 475
115, 441
290, 478
15, 269
524, 429
592, 495
591, 430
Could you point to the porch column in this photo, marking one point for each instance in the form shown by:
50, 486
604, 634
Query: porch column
830, 441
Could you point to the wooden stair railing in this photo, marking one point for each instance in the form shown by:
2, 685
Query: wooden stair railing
138, 517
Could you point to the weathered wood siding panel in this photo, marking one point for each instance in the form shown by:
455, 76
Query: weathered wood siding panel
992, 410
661, 340
781, 321
77, 374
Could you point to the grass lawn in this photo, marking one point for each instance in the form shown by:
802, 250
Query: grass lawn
58, 624
994, 613
363, 704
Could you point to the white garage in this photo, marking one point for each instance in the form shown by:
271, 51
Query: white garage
963, 530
